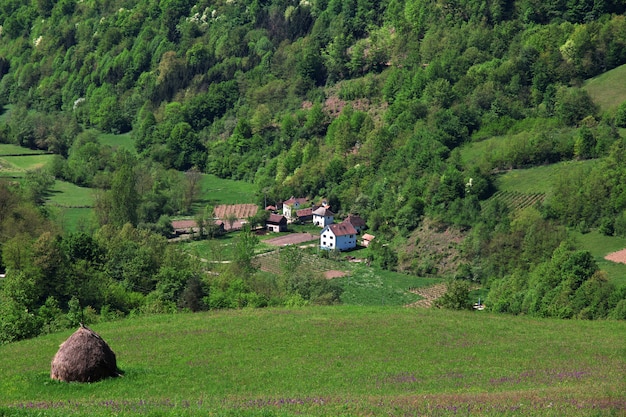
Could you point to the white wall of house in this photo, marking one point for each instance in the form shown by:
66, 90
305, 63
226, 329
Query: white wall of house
328, 240
322, 221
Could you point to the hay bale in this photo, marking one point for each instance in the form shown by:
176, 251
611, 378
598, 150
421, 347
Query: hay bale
84, 357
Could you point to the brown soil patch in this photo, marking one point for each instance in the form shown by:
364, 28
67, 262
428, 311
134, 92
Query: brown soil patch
619, 256
433, 249
240, 211
430, 294
334, 274
291, 239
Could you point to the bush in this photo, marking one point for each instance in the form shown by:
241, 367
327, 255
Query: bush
456, 296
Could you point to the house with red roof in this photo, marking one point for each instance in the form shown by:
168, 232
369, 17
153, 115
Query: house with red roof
290, 206
357, 222
338, 236
276, 223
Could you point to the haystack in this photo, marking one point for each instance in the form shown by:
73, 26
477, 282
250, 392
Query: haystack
84, 357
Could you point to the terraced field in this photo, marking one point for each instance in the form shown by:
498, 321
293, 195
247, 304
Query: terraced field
515, 200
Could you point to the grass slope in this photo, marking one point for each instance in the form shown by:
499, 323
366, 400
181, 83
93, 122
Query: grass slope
599, 246
541, 179
608, 90
333, 361
224, 191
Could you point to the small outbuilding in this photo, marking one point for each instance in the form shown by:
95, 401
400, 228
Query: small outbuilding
366, 239
276, 223
84, 357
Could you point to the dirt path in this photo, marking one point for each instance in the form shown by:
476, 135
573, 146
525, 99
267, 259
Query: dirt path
619, 256
430, 294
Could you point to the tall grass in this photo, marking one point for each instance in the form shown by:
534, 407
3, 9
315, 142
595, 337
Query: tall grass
333, 361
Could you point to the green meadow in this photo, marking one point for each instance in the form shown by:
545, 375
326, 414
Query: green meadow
9, 149
608, 89
540, 179
332, 361
66, 194
122, 141
599, 246
18, 165
224, 191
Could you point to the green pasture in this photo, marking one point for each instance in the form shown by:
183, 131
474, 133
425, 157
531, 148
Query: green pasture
9, 149
332, 361
224, 191
540, 179
73, 219
599, 246
368, 286
122, 141
66, 194
608, 89
18, 165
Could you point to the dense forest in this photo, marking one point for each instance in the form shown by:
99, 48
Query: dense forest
367, 104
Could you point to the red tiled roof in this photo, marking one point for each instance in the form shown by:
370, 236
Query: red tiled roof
342, 229
183, 224
305, 212
294, 200
276, 219
355, 221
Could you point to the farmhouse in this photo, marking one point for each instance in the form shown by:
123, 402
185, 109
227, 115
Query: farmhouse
290, 206
357, 222
276, 223
322, 217
338, 236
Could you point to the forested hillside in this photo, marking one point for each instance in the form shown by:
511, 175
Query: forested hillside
370, 105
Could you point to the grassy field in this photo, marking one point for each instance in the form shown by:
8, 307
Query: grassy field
18, 165
366, 286
333, 361
73, 219
66, 194
223, 191
122, 141
600, 246
8, 149
608, 90
541, 179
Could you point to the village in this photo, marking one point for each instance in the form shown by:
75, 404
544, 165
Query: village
336, 236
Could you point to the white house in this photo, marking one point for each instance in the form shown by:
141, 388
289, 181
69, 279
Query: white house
290, 206
338, 236
322, 217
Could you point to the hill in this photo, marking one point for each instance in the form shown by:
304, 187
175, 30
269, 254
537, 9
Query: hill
407, 113
333, 361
